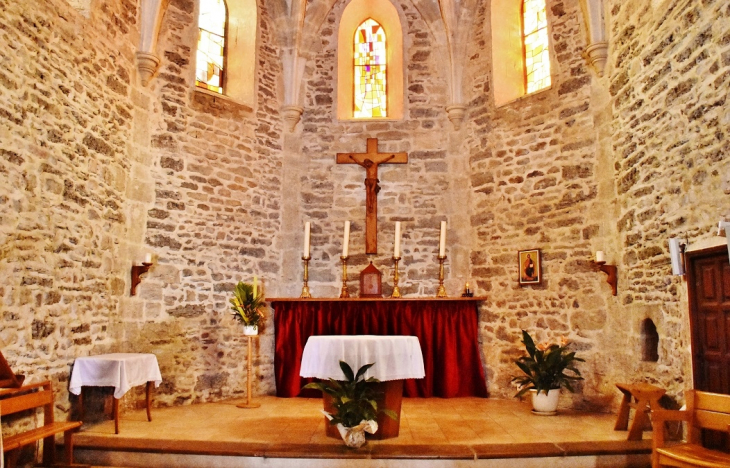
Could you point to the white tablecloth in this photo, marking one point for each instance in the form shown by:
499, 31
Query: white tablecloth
395, 357
119, 370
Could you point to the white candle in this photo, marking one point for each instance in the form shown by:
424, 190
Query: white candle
148, 258
396, 248
600, 256
442, 240
346, 239
255, 286
307, 227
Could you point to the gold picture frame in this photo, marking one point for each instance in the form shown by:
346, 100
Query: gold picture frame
529, 265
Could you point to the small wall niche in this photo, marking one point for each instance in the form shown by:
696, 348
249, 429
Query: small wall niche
649, 341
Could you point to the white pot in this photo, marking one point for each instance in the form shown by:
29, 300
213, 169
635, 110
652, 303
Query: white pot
250, 330
545, 404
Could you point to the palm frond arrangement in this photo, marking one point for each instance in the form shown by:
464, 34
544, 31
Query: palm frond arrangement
247, 304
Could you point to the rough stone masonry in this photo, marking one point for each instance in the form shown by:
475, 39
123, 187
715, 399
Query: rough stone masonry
96, 171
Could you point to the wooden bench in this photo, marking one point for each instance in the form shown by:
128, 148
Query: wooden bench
28, 397
704, 411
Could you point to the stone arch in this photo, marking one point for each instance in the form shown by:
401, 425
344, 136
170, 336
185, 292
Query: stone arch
387, 16
242, 33
508, 68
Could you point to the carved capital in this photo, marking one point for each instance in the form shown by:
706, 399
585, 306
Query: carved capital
291, 115
597, 54
456, 114
146, 66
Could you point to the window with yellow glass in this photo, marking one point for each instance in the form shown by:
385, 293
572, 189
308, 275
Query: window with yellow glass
536, 45
369, 77
211, 54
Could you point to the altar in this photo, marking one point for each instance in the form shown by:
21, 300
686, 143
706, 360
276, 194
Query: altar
395, 359
447, 330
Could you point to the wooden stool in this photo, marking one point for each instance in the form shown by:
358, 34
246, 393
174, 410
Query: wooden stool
646, 398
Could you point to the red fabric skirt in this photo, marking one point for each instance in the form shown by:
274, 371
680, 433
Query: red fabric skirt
446, 330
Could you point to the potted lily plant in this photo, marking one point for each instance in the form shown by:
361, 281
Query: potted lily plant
355, 404
247, 305
546, 369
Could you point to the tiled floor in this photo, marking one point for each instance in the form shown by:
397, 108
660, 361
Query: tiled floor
455, 428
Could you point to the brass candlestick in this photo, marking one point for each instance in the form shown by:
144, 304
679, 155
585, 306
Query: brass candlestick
344, 293
305, 288
396, 289
441, 292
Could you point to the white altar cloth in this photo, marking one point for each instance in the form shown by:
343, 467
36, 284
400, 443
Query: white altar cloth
395, 357
119, 370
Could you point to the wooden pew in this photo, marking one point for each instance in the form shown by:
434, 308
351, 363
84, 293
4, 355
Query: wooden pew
28, 397
704, 411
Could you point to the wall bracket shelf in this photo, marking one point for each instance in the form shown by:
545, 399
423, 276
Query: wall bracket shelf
612, 272
137, 272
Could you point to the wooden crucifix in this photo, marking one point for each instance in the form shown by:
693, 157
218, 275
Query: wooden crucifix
370, 161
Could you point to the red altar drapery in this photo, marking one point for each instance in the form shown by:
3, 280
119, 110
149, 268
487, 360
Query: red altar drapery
446, 329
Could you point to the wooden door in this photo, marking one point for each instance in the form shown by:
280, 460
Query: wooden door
708, 279
709, 290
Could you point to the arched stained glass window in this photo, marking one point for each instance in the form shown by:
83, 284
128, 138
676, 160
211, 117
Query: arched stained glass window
369, 74
210, 61
535, 37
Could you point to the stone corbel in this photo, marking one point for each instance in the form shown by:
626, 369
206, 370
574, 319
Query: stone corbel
146, 66
293, 70
456, 16
290, 25
291, 116
596, 54
456, 113
151, 13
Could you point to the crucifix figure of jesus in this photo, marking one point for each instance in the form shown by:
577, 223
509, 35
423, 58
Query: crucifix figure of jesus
370, 161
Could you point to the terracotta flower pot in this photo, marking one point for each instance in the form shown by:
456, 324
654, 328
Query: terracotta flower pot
545, 404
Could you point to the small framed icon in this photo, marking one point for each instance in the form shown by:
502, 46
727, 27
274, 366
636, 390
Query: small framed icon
371, 282
529, 266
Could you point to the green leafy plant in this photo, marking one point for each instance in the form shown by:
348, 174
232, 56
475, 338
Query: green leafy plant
354, 399
545, 366
246, 306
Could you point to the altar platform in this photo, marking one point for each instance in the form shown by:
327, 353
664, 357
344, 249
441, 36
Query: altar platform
289, 432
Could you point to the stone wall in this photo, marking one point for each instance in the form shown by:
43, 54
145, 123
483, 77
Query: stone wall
212, 219
619, 164
66, 121
669, 82
96, 171
420, 194
536, 171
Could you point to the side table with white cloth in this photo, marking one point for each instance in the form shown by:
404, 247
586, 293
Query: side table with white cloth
396, 358
119, 370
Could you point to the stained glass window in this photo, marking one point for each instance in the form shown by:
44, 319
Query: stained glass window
537, 55
211, 45
369, 76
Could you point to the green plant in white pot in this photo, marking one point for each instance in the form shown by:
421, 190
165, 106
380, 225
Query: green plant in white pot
247, 305
355, 404
544, 372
